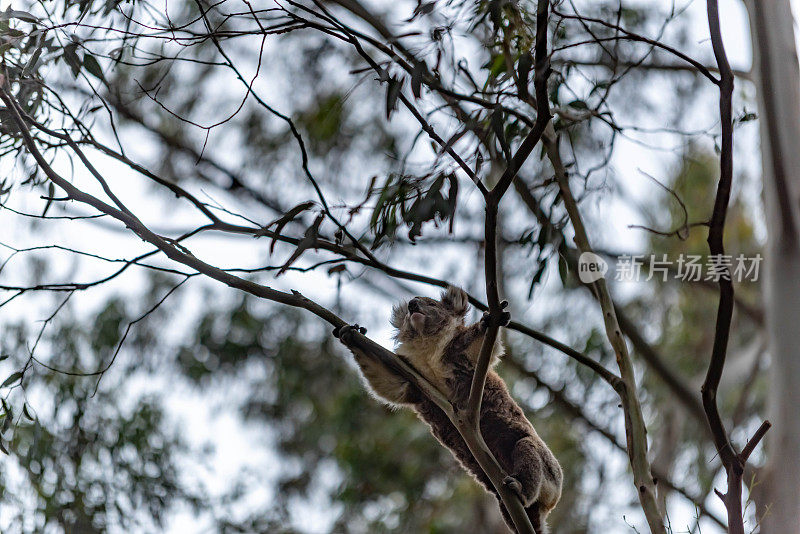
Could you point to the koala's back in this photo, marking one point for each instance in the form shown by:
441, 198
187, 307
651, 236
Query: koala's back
503, 424
444, 431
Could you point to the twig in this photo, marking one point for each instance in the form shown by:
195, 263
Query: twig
732, 461
641, 38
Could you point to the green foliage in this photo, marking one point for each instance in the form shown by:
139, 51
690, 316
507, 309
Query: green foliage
325, 121
84, 458
412, 201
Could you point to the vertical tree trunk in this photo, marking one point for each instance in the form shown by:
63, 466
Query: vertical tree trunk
778, 84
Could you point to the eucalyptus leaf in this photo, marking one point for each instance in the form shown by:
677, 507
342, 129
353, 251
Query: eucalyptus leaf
11, 379
92, 66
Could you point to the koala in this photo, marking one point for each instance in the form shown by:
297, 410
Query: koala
432, 337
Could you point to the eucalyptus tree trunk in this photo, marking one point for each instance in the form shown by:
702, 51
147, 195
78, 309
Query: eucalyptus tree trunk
778, 85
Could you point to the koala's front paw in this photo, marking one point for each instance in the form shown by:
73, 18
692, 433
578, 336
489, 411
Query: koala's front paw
485, 320
345, 333
504, 317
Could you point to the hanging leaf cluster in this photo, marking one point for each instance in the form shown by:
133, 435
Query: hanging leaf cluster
413, 201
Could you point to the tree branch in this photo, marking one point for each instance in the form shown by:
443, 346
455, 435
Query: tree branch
732, 461
635, 428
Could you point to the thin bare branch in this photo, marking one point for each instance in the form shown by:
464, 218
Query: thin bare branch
733, 462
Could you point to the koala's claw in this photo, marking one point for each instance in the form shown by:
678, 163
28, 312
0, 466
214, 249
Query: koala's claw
505, 317
514, 485
345, 332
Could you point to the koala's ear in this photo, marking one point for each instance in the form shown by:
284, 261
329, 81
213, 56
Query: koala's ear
399, 312
456, 299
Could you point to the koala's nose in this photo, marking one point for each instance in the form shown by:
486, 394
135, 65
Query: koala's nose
413, 305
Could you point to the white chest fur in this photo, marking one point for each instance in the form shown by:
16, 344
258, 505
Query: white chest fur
425, 354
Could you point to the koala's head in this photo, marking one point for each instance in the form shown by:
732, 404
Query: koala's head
427, 317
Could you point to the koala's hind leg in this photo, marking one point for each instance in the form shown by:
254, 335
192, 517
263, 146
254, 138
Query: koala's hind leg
537, 519
527, 470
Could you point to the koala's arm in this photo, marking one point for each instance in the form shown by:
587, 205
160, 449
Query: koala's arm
384, 382
472, 336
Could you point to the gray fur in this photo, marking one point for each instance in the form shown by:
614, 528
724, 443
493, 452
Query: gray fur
432, 337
